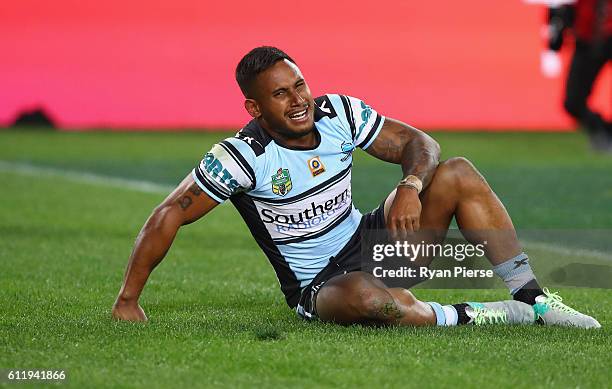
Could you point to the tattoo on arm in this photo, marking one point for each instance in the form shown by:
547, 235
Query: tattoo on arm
389, 146
186, 201
416, 151
195, 189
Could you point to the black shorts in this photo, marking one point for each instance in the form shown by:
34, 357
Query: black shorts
348, 260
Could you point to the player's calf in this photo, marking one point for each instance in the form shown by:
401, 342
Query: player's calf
358, 297
378, 307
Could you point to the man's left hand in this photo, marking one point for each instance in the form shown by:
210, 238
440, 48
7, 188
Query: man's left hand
405, 213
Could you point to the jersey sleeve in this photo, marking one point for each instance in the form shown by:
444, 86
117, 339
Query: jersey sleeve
364, 121
227, 169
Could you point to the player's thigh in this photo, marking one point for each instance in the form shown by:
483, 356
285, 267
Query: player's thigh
438, 204
439, 199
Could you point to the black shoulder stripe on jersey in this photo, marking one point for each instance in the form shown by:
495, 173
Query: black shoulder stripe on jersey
290, 286
310, 192
372, 131
349, 114
324, 108
324, 231
256, 137
255, 145
210, 185
240, 160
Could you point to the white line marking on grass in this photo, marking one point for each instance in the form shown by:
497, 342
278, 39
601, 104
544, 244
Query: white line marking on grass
578, 253
89, 178
152, 187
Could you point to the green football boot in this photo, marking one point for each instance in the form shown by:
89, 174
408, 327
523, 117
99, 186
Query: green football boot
550, 311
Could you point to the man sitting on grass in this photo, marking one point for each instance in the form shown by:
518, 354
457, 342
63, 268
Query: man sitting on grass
288, 173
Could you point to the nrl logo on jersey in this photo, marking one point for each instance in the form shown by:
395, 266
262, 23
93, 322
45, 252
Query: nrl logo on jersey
281, 182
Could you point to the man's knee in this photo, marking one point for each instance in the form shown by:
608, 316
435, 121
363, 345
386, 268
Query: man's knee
458, 173
356, 298
457, 166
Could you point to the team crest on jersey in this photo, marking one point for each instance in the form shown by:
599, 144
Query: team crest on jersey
347, 149
281, 182
316, 166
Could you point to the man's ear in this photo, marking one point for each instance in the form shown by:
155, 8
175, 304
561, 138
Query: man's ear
252, 108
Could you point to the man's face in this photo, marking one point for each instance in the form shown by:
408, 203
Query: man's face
283, 101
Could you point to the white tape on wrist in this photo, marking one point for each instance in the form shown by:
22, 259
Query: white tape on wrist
413, 182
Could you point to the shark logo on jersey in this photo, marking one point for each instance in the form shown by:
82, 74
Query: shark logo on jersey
281, 182
365, 115
347, 149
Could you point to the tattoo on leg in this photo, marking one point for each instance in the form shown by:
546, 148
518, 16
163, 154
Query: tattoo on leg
389, 310
185, 202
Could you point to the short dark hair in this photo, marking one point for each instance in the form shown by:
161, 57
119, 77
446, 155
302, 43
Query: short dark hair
255, 62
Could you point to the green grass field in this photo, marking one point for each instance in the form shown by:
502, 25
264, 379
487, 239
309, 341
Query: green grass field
217, 316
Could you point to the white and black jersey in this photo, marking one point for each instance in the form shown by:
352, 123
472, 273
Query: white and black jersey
297, 203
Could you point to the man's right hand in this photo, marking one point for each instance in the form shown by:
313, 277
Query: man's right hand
186, 204
129, 311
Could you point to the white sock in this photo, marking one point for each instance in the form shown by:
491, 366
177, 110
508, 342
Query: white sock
451, 315
446, 315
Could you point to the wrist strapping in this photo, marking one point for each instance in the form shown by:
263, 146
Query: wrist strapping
413, 182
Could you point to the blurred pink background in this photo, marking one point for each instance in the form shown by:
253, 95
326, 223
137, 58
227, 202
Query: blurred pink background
170, 64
